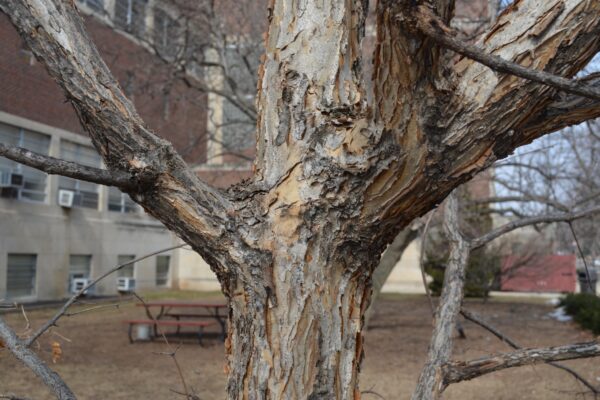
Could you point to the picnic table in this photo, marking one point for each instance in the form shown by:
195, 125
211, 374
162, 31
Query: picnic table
180, 314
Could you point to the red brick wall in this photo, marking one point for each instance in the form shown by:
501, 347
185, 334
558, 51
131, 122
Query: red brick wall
551, 273
168, 107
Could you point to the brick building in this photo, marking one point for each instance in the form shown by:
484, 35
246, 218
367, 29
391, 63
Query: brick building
44, 245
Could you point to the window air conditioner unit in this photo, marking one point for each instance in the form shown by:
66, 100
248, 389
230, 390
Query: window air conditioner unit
125, 284
11, 179
65, 198
79, 283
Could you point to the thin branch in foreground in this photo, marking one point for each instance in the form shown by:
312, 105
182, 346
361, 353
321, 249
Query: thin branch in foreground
95, 308
33, 362
56, 166
485, 325
429, 24
172, 352
430, 384
459, 371
52, 321
12, 397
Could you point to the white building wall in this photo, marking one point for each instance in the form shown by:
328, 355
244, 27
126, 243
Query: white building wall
54, 233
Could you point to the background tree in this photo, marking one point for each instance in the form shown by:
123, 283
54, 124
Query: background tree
340, 169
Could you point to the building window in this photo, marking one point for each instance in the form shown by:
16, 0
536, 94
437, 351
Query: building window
79, 268
96, 5
166, 33
18, 181
20, 275
162, 270
130, 15
86, 194
121, 202
238, 128
127, 271
234, 130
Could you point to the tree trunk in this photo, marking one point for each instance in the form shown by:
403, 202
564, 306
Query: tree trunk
340, 169
304, 340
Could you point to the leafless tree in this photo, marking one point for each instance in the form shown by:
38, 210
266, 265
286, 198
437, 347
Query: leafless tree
339, 171
439, 370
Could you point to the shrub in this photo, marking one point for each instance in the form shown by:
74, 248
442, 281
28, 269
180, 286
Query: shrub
482, 271
585, 310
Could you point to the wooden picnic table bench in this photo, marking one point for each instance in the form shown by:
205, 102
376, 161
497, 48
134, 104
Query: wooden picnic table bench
154, 324
183, 313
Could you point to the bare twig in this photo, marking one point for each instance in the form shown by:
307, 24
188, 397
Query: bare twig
28, 324
511, 226
172, 352
458, 371
52, 321
95, 308
32, 361
580, 250
56, 166
372, 392
485, 325
66, 339
429, 24
12, 397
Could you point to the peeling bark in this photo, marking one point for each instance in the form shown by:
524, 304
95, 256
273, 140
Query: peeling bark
337, 176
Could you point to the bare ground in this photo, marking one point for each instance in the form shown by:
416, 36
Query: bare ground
99, 363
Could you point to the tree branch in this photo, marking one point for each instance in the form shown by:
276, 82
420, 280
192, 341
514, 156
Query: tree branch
511, 226
430, 384
32, 361
479, 321
526, 198
465, 370
428, 23
56, 166
202, 216
565, 110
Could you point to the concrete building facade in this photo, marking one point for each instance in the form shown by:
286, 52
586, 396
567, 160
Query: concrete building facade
44, 244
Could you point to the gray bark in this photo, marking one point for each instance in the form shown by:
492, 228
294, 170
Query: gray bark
458, 371
33, 362
430, 383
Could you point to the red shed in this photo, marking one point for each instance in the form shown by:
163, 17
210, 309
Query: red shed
550, 273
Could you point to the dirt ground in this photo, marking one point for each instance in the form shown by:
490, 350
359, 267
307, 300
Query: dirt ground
99, 363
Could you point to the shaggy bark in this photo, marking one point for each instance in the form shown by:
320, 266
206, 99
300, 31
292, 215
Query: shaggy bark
337, 175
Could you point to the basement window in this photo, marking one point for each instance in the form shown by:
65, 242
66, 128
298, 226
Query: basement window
20, 275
